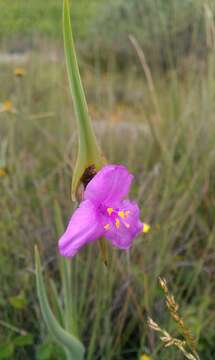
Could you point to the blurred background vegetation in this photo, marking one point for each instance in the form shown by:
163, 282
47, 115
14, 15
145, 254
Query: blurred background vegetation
157, 118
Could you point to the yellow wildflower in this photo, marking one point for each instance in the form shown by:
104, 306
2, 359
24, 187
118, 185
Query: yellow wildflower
2, 172
145, 357
19, 72
7, 106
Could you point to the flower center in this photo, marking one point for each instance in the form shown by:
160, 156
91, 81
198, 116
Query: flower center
117, 218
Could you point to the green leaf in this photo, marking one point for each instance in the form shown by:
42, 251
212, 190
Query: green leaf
6, 351
49, 351
71, 344
23, 340
56, 303
19, 301
89, 152
45, 351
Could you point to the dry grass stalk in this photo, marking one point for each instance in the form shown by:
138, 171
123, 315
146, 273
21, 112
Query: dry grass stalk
173, 308
166, 338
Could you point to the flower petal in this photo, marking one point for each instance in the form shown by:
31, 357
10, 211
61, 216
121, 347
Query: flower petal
110, 185
84, 227
126, 225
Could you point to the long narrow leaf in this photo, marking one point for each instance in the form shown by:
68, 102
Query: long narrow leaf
88, 153
65, 270
55, 301
65, 339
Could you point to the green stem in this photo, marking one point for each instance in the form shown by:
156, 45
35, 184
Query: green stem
66, 276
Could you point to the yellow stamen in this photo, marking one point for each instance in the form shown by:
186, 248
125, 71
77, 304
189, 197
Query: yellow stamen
121, 214
117, 223
107, 227
110, 210
146, 228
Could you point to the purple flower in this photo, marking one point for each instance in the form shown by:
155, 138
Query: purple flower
104, 212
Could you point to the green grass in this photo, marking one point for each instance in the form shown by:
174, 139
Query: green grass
171, 152
168, 30
164, 135
33, 18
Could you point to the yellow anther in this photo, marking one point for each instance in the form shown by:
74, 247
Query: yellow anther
127, 213
146, 228
107, 227
110, 210
117, 223
121, 214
